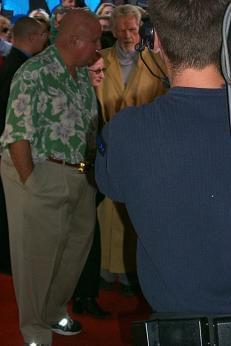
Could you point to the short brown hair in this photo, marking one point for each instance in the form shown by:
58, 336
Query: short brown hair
25, 26
189, 31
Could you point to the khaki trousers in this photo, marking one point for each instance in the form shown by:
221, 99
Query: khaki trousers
51, 223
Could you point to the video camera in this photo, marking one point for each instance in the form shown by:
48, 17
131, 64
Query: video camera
183, 331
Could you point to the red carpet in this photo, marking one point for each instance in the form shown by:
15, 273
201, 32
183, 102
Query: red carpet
115, 331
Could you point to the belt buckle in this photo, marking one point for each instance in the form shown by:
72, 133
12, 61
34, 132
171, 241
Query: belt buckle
82, 168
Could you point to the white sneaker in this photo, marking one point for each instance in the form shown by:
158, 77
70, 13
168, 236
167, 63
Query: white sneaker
67, 326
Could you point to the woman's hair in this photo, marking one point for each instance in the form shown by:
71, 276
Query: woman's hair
99, 10
97, 56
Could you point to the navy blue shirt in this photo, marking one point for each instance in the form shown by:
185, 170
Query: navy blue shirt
170, 163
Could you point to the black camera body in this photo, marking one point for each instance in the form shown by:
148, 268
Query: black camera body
175, 330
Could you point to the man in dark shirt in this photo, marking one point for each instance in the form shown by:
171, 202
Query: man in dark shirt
170, 163
28, 39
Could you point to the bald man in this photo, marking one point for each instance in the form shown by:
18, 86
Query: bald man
49, 149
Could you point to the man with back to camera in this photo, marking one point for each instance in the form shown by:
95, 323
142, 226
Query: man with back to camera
170, 163
48, 148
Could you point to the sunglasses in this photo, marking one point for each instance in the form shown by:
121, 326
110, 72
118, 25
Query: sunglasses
98, 71
5, 30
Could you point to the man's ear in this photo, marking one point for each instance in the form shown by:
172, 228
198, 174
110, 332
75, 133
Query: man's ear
159, 49
157, 44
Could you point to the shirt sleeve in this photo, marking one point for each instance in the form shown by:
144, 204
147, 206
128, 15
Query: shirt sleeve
106, 168
19, 125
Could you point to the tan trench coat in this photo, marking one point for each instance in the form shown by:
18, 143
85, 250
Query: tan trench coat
117, 235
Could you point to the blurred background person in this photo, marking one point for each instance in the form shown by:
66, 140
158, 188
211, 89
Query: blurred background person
127, 82
59, 12
105, 22
38, 13
56, 19
87, 290
43, 17
105, 9
68, 3
104, 12
5, 37
5, 28
73, 3
107, 38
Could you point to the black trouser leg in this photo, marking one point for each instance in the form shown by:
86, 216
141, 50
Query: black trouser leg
88, 285
5, 265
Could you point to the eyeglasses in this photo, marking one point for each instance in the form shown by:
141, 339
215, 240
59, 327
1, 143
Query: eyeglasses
98, 71
5, 30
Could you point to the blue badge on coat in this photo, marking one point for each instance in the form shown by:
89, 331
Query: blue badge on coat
101, 145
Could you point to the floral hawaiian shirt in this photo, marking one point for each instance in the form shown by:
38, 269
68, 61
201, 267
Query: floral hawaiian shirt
55, 113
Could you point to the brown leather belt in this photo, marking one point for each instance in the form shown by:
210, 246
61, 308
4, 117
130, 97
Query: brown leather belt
82, 167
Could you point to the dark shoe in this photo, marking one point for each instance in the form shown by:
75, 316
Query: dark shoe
90, 306
5, 270
129, 290
67, 326
106, 285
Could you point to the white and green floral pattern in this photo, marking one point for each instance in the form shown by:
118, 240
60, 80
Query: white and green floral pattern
55, 113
